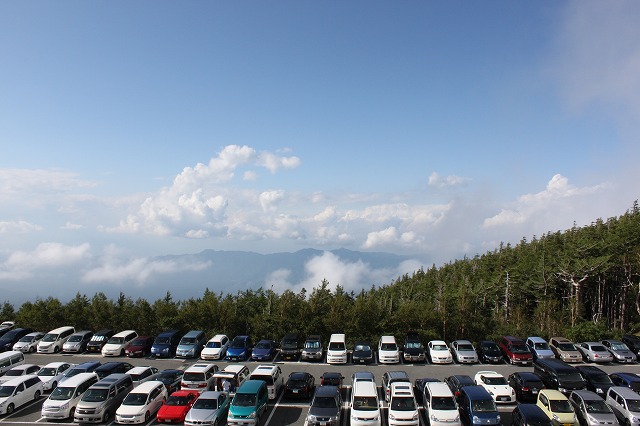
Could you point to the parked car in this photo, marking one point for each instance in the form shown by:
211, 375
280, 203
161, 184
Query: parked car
326, 407
529, 415
103, 398
331, 378
215, 348
594, 352
211, 408
291, 346
299, 384
625, 403
99, 339
171, 379
388, 350
628, 380
114, 367
526, 385
85, 367
620, 351
413, 350
391, 377
565, 350
77, 342
337, 349
439, 352
19, 370
403, 408
539, 348
420, 383
364, 404
52, 341
140, 347
515, 350
234, 374
166, 343
264, 350
440, 405
118, 343
191, 344
141, 403
12, 337
62, 401
597, 380
249, 404
240, 349
557, 407
51, 373
464, 352
362, 353
489, 352
633, 343
556, 374
457, 382
142, 373
497, 386
199, 377
176, 407
313, 350
271, 374
591, 409
19, 391
477, 406
28, 343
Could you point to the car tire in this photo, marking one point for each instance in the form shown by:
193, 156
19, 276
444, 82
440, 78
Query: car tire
72, 413
147, 416
36, 395
10, 408
106, 416
56, 349
32, 349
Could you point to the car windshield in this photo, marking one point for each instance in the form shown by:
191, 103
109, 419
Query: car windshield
483, 405
413, 345
26, 339
365, 403
263, 345
62, 393
570, 377
75, 338
403, 403
566, 347
619, 346
206, 404
440, 347
443, 403
494, 380
188, 341
289, 344
6, 391
73, 371
244, 400
139, 342
312, 344
167, 378
597, 407
336, 346
135, 399
163, 340
560, 406
489, 347
324, 402
116, 340
95, 395
213, 345
633, 405
541, 346
193, 377
237, 343
519, 349
50, 337
98, 338
47, 372
175, 400
362, 348
264, 377
465, 347
388, 347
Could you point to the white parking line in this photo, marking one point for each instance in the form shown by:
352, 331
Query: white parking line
275, 407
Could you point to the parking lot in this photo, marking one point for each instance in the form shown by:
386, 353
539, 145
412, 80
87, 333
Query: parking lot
283, 411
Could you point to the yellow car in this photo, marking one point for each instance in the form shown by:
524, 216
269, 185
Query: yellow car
557, 407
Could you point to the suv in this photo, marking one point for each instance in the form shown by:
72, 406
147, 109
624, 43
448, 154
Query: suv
539, 348
325, 407
591, 409
290, 346
556, 374
515, 350
403, 409
413, 348
388, 351
312, 348
477, 406
391, 377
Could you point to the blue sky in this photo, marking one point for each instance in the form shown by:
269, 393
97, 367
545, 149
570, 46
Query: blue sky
436, 129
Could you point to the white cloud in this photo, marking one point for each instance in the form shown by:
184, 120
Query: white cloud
23, 264
270, 199
72, 226
19, 226
137, 270
36, 181
437, 181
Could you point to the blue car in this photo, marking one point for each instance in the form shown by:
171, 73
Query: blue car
239, 349
629, 380
265, 350
166, 343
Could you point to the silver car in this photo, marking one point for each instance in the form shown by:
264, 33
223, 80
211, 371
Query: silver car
464, 352
591, 409
211, 408
594, 352
621, 352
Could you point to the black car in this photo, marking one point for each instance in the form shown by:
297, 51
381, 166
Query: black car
633, 342
413, 348
331, 378
489, 352
457, 382
326, 405
418, 387
300, 384
291, 347
530, 415
99, 339
112, 367
171, 379
362, 353
597, 380
11, 337
526, 384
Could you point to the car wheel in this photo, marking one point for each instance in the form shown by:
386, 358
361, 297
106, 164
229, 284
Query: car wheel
53, 385
72, 413
56, 349
36, 394
147, 416
121, 352
10, 408
107, 415
32, 349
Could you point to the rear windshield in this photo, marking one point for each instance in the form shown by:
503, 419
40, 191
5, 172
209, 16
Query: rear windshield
483, 405
193, 377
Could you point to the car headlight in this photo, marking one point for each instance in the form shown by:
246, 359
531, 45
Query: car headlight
476, 419
415, 416
311, 418
252, 415
498, 417
165, 350
599, 390
556, 418
3, 403
64, 406
391, 416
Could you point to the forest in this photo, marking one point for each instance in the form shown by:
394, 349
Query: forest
582, 283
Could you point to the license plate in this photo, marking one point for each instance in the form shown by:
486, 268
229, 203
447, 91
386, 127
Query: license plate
504, 398
295, 391
534, 391
323, 423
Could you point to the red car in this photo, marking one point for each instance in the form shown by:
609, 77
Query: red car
515, 350
176, 407
141, 346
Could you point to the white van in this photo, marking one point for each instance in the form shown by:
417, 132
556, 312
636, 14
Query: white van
118, 343
388, 350
440, 405
235, 374
61, 403
53, 341
199, 376
365, 405
142, 402
17, 392
337, 349
272, 375
216, 347
10, 359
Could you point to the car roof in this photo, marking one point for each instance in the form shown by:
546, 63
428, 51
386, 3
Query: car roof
297, 375
463, 379
438, 389
18, 379
146, 387
476, 392
553, 394
527, 375
631, 377
624, 392
327, 390
55, 364
210, 394
202, 366
536, 339
250, 386
589, 369
587, 395
532, 411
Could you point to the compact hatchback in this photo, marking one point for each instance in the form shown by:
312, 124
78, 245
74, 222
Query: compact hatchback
326, 407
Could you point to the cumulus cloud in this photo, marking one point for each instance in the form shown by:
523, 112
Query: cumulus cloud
19, 226
437, 181
22, 264
137, 270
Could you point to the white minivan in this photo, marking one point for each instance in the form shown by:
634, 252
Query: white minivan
10, 359
62, 402
17, 392
365, 405
117, 344
272, 375
142, 402
337, 349
53, 341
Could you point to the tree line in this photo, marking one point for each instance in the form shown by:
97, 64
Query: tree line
582, 283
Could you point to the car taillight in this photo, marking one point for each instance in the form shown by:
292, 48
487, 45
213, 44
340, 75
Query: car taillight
525, 389
183, 384
202, 385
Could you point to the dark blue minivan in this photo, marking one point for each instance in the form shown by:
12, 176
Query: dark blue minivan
166, 343
477, 407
